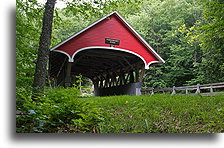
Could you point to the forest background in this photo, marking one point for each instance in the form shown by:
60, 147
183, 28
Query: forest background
187, 34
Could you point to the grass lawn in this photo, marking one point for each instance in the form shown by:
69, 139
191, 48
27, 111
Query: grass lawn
160, 114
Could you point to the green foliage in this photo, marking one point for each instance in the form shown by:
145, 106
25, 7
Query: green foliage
59, 111
158, 23
209, 33
28, 25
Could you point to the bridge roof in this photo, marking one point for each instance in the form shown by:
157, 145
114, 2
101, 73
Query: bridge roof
111, 26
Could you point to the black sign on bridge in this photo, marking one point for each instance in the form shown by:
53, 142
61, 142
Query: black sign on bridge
112, 42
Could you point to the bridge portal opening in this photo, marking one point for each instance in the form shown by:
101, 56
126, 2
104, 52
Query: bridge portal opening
112, 72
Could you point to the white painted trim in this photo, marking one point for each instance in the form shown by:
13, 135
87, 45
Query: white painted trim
112, 48
70, 59
152, 62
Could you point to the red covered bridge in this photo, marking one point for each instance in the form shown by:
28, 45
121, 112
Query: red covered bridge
109, 52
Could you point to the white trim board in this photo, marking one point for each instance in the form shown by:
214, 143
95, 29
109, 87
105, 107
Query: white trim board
71, 59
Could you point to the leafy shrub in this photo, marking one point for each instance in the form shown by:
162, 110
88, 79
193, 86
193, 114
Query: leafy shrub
59, 111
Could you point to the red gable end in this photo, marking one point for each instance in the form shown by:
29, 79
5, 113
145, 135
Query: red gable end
112, 26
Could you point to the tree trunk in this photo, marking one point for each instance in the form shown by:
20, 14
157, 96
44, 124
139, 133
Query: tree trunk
43, 51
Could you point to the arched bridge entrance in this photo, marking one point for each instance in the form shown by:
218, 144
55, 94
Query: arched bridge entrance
109, 52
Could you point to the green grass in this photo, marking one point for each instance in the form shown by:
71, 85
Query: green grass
61, 111
160, 114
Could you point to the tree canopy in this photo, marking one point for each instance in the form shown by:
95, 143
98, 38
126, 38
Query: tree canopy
187, 34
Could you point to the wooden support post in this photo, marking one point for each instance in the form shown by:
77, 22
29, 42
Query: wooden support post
121, 76
198, 89
117, 80
113, 79
174, 91
96, 84
68, 75
106, 81
132, 79
137, 75
96, 81
142, 73
101, 82
126, 79
211, 90
152, 93
80, 88
109, 80
186, 91
102, 78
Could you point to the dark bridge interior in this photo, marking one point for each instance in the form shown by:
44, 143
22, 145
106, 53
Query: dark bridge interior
106, 68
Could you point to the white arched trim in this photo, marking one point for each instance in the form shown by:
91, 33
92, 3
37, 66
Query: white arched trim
113, 48
70, 59
152, 62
